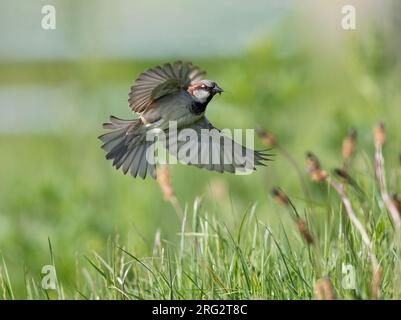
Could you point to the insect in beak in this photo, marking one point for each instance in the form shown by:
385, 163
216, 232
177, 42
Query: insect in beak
217, 89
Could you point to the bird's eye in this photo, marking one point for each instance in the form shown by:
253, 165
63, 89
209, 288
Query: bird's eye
203, 86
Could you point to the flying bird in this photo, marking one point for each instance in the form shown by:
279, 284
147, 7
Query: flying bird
176, 93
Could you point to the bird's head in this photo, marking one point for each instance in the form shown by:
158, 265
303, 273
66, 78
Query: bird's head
204, 90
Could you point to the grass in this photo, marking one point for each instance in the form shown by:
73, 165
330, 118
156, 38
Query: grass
247, 260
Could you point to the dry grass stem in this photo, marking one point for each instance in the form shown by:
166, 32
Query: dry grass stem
377, 278
355, 221
380, 138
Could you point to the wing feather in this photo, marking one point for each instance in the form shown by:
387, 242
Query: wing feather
159, 81
215, 156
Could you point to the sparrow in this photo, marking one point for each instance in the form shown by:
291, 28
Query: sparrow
175, 92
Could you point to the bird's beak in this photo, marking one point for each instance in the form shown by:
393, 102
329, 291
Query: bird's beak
217, 89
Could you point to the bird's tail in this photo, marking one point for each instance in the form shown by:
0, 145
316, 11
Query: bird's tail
125, 144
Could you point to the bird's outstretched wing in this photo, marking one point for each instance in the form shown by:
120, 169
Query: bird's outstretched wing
161, 81
204, 146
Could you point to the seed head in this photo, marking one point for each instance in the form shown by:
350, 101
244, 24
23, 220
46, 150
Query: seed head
349, 144
380, 135
280, 197
268, 138
395, 199
342, 173
315, 171
312, 162
319, 175
304, 231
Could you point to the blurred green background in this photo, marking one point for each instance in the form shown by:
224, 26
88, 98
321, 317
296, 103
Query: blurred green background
288, 67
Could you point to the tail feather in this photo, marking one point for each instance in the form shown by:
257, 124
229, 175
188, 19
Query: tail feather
126, 161
136, 163
117, 123
127, 148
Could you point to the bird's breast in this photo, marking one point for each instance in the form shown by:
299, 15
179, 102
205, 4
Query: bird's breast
177, 108
197, 107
